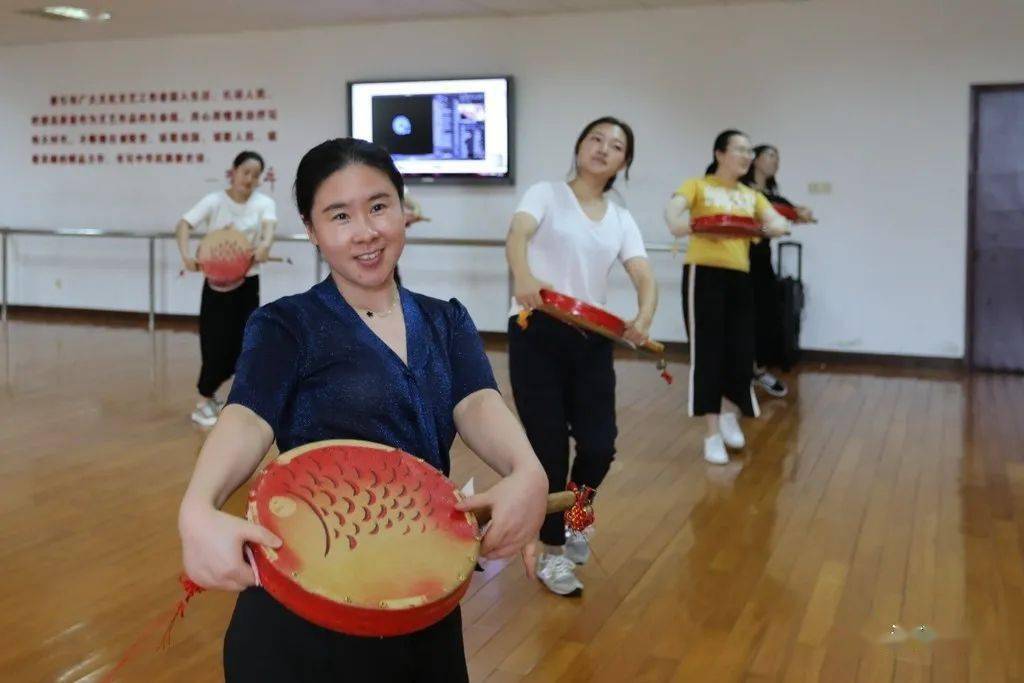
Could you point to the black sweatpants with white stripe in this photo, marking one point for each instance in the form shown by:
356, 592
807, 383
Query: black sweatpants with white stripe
718, 307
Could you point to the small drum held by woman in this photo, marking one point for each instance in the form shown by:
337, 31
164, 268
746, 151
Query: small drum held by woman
224, 257
373, 543
593, 318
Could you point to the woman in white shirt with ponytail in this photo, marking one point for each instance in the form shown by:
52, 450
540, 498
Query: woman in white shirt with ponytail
223, 314
567, 237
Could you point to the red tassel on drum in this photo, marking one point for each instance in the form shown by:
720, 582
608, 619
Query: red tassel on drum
191, 588
580, 516
665, 374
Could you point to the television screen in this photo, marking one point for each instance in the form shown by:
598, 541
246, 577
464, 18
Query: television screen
450, 130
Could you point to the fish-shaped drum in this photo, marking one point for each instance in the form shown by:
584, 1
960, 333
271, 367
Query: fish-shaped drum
372, 542
575, 312
225, 256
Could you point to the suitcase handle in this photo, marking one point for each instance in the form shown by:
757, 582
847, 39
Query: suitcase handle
799, 258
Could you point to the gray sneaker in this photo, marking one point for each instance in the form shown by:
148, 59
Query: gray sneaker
206, 413
577, 548
557, 573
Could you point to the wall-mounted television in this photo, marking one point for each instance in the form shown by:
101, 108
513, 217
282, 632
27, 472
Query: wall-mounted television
445, 130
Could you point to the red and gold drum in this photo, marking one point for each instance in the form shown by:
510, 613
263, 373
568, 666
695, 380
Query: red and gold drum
726, 225
225, 256
575, 312
373, 544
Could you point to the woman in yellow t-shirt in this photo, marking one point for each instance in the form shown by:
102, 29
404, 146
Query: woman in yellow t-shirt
718, 305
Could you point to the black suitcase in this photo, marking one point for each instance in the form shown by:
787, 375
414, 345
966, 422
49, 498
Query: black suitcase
791, 290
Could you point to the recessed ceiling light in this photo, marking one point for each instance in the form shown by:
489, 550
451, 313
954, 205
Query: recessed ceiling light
75, 13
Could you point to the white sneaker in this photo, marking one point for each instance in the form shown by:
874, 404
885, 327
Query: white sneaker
206, 413
558, 574
770, 383
714, 450
577, 548
729, 427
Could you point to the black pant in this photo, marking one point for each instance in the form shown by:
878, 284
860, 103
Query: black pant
266, 642
767, 306
718, 307
563, 382
222, 318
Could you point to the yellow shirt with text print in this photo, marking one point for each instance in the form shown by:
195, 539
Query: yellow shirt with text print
708, 196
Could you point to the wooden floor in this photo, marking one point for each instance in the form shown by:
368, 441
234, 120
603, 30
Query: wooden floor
872, 530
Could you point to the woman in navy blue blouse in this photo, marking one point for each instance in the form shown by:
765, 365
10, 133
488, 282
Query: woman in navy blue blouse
357, 356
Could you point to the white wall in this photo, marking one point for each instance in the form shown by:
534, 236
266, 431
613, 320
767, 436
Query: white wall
871, 96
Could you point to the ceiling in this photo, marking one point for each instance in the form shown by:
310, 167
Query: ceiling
149, 18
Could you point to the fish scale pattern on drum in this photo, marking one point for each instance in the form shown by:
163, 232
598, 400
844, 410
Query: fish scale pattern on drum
366, 530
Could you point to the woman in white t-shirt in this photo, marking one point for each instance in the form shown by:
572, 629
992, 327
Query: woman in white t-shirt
567, 237
223, 314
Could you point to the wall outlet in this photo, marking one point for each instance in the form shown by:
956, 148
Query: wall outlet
819, 187
58, 284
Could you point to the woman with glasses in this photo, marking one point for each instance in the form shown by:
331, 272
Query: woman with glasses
718, 302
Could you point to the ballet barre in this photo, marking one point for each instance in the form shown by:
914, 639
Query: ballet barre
6, 233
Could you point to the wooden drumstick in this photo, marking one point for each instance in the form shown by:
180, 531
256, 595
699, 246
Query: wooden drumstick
272, 259
653, 346
557, 502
